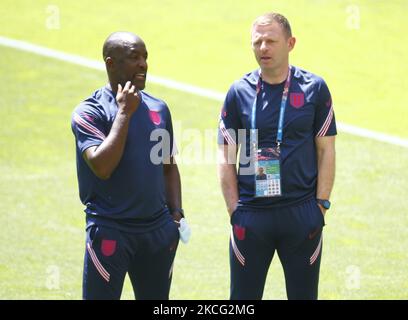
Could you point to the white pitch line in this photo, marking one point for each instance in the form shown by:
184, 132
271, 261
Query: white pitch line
98, 65
218, 96
361, 132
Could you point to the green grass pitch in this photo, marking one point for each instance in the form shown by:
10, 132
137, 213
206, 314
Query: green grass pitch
356, 46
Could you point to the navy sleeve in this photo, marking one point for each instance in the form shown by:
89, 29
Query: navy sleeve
229, 122
88, 126
169, 128
325, 123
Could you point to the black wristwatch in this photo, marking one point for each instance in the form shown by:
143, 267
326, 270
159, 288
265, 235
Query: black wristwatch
179, 210
325, 203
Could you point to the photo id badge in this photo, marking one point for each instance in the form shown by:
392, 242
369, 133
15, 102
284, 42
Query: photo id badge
267, 173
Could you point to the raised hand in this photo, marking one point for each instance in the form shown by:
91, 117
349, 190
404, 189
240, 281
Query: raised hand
128, 98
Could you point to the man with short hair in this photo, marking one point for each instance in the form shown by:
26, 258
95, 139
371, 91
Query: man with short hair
289, 130
132, 194
261, 174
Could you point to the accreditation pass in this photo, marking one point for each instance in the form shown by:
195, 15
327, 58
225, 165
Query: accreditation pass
267, 173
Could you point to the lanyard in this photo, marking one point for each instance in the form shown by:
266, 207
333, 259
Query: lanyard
281, 112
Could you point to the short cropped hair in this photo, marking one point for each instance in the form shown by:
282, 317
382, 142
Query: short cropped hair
271, 17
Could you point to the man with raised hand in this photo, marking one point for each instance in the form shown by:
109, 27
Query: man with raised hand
132, 194
282, 119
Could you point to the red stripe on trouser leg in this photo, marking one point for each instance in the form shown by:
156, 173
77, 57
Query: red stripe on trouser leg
97, 263
237, 253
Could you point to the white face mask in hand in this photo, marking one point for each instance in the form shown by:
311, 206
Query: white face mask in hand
184, 230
